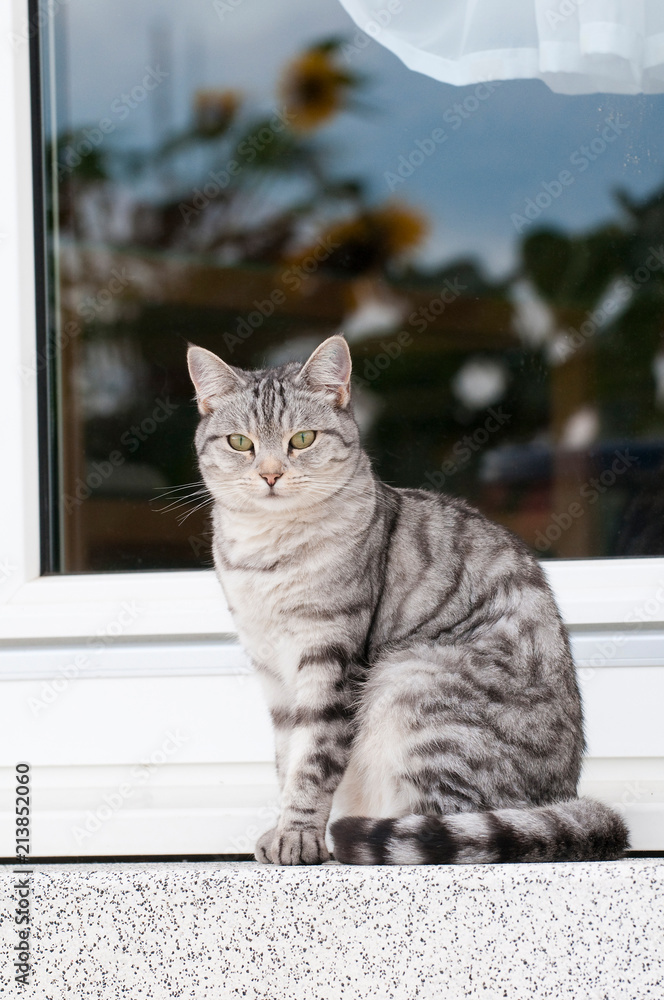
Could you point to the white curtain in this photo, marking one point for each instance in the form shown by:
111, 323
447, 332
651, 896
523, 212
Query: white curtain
574, 46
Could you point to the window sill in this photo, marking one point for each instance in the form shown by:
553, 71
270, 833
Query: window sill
599, 592
118, 604
219, 929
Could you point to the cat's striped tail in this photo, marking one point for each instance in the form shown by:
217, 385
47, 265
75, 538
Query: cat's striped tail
578, 830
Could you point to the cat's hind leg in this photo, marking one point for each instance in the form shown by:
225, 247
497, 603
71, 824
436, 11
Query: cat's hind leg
413, 750
453, 764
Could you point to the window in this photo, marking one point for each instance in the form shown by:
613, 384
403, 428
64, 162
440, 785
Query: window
493, 254
253, 178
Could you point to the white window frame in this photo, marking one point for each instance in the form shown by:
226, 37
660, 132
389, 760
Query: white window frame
184, 631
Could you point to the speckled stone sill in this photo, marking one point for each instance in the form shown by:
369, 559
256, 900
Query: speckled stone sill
199, 930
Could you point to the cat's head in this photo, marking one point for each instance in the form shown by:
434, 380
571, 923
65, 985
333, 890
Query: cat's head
279, 439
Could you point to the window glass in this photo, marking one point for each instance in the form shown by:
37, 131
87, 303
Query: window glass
253, 177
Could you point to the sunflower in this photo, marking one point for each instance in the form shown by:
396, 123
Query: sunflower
314, 88
371, 240
214, 110
398, 227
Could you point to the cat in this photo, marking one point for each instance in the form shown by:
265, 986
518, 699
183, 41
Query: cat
416, 667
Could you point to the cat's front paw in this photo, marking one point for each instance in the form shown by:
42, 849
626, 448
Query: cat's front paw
262, 850
292, 847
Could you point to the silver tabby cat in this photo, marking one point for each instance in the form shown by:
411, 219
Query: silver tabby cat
415, 665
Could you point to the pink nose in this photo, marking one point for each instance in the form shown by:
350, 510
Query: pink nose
271, 477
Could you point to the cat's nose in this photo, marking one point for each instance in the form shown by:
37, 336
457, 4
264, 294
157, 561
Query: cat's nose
271, 477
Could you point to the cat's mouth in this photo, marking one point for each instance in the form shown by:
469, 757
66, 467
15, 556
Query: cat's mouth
272, 491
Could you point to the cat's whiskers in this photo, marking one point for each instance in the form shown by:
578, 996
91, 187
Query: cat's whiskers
206, 503
351, 491
317, 489
180, 486
182, 501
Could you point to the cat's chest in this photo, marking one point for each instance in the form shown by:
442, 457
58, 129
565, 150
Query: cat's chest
272, 622
271, 603
260, 600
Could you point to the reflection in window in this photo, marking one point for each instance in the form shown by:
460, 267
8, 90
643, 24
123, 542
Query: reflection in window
253, 179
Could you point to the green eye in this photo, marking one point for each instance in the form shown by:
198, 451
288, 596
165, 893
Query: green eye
240, 443
303, 439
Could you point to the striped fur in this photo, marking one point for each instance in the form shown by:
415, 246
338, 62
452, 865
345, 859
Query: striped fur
414, 662
577, 830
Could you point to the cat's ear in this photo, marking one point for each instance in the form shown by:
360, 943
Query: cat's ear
212, 378
329, 369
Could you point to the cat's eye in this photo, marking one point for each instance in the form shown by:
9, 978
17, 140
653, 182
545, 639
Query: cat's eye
240, 442
303, 439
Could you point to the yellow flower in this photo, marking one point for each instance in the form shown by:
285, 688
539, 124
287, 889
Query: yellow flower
214, 110
314, 88
371, 240
399, 228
